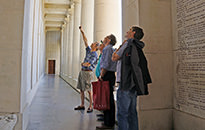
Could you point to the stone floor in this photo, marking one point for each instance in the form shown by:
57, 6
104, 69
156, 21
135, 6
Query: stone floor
52, 108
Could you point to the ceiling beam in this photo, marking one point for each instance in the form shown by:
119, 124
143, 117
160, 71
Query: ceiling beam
53, 28
55, 16
53, 25
54, 19
55, 11
54, 22
57, 6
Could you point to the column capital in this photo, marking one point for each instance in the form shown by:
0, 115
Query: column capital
76, 1
72, 2
63, 26
67, 19
70, 10
67, 12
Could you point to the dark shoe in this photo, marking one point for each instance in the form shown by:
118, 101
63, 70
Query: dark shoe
100, 115
103, 127
116, 122
89, 110
79, 108
100, 119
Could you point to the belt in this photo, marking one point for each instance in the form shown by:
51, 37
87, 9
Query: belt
85, 70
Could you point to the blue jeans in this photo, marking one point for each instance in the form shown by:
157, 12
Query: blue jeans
126, 110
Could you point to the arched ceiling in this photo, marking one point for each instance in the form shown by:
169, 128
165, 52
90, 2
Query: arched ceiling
55, 13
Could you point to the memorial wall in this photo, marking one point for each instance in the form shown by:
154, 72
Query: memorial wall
189, 56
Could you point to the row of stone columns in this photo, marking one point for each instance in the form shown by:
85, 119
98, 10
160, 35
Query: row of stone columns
98, 19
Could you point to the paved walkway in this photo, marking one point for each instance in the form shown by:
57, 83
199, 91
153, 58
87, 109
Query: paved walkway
52, 108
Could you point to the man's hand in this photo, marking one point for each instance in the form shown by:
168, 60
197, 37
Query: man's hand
102, 74
100, 78
81, 29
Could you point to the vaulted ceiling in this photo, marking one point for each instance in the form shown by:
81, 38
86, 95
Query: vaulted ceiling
55, 13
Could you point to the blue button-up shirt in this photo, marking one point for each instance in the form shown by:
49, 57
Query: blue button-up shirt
119, 62
91, 57
106, 59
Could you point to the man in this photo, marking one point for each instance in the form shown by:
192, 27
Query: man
133, 77
85, 75
108, 68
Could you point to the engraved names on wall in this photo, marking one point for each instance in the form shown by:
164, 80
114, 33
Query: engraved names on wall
190, 56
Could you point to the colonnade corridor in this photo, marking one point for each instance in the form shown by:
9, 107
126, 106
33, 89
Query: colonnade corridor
41, 37
53, 108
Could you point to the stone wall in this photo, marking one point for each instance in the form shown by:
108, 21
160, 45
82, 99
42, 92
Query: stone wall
11, 28
154, 17
189, 64
53, 43
22, 56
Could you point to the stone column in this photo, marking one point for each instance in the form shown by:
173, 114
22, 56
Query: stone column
76, 40
130, 10
61, 54
63, 50
87, 21
70, 48
67, 47
155, 110
107, 19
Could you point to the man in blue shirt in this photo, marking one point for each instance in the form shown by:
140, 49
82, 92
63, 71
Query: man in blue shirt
108, 68
85, 75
